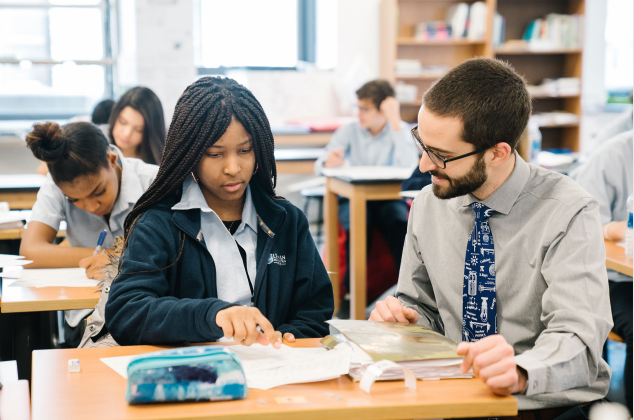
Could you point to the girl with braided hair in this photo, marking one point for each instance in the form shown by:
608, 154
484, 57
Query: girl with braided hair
210, 251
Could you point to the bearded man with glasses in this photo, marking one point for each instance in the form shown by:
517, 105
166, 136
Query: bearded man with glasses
501, 255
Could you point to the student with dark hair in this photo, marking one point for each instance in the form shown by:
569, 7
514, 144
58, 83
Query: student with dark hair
101, 113
378, 138
210, 251
92, 187
503, 255
137, 125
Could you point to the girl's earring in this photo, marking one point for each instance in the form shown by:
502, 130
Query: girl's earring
256, 169
195, 179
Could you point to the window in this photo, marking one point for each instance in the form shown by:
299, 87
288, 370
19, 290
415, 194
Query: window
258, 34
55, 57
619, 45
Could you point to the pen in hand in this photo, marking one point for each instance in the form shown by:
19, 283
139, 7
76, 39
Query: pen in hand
102, 236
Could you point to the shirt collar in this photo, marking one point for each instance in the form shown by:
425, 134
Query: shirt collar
503, 199
193, 198
130, 190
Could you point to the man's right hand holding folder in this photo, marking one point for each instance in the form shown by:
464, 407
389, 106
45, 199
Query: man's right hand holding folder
492, 358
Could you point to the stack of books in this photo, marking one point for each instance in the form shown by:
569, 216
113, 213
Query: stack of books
564, 86
555, 31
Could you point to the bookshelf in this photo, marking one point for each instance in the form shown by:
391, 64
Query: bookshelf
398, 18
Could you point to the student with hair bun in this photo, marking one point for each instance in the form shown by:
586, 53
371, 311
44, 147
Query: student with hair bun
210, 250
92, 187
137, 125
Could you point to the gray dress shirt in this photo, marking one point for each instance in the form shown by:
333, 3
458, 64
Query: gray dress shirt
551, 284
607, 175
387, 148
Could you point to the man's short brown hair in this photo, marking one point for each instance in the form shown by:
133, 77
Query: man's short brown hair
377, 91
488, 96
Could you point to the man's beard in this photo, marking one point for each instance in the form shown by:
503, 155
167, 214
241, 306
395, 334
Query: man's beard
461, 186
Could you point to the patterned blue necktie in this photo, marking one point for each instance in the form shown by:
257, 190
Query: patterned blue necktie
479, 314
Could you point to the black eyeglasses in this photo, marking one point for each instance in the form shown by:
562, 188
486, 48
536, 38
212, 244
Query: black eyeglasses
438, 160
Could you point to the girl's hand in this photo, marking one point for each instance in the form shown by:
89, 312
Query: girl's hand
289, 337
241, 323
94, 264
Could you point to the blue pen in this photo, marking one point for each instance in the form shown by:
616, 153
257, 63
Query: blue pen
102, 237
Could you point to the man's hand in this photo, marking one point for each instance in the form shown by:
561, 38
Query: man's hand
391, 310
94, 264
334, 158
493, 361
241, 322
392, 111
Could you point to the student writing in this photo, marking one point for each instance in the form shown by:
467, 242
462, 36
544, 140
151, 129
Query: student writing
91, 186
210, 250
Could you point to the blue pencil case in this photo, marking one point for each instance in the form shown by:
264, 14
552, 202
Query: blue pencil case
203, 373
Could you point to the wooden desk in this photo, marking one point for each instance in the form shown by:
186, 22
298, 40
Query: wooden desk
297, 161
615, 259
358, 194
20, 191
320, 139
98, 392
34, 299
10, 234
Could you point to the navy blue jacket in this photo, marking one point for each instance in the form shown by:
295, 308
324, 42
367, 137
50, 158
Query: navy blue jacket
159, 299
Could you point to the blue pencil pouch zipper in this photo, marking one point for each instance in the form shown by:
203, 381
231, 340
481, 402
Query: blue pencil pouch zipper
203, 373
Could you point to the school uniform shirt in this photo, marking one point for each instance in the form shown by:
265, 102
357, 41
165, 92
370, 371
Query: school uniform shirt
387, 148
551, 287
231, 278
607, 176
83, 228
168, 289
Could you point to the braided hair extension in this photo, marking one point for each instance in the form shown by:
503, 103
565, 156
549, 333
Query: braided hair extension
201, 117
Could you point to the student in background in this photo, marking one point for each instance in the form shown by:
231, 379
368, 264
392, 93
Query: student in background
211, 251
607, 175
92, 187
505, 256
137, 125
379, 138
100, 117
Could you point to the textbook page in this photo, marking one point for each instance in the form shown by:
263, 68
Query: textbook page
266, 367
50, 277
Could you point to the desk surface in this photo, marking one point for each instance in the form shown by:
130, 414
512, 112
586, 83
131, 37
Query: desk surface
36, 299
615, 259
98, 392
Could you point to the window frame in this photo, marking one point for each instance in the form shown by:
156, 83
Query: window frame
108, 10
306, 41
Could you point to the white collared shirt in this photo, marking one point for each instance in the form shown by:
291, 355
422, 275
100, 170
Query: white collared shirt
52, 206
231, 280
83, 228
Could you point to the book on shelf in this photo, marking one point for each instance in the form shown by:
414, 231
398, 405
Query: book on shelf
428, 354
555, 31
499, 26
564, 86
554, 119
467, 21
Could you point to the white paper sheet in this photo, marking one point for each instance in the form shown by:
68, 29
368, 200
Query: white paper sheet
50, 277
14, 263
8, 257
266, 367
